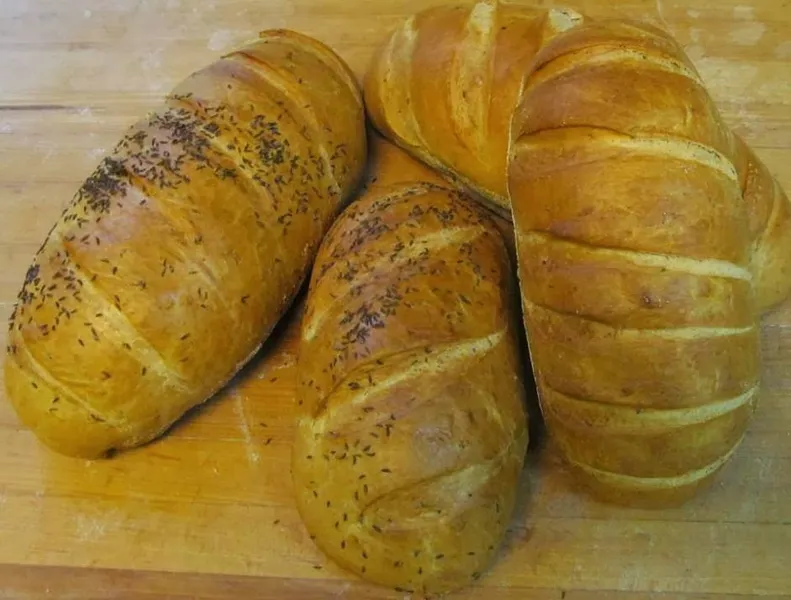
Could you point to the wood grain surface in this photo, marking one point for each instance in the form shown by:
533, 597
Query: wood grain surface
206, 512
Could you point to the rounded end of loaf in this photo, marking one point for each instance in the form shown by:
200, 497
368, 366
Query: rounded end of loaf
770, 228
330, 89
434, 538
62, 423
57, 423
63, 419
328, 54
642, 456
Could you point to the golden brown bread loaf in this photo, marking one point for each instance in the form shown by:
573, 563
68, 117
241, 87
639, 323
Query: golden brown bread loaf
411, 428
445, 85
634, 263
182, 250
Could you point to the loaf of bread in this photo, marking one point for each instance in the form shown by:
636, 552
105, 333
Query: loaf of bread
634, 263
186, 245
445, 84
412, 429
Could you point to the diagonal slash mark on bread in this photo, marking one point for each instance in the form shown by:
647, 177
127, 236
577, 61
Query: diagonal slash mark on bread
469, 89
436, 240
404, 41
692, 266
670, 333
647, 145
280, 83
258, 191
624, 419
403, 195
607, 54
120, 330
442, 358
138, 185
560, 20
330, 60
469, 478
221, 150
40, 371
470, 79
658, 483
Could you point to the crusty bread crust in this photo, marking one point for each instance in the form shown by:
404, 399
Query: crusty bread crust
184, 248
634, 262
412, 427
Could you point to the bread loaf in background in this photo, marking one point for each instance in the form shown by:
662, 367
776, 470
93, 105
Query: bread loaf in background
445, 85
186, 245
412, 428
634, 262
769, 223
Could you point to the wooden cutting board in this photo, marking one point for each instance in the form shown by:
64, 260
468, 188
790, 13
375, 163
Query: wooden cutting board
207, 510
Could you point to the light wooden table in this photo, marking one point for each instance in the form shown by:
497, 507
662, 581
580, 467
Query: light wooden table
207, 511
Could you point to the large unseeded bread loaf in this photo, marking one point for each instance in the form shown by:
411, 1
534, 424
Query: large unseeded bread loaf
445, 84
186, 245
634, 262
411, 428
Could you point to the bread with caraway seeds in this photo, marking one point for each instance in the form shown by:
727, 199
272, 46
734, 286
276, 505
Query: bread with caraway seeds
412, 428
185, 247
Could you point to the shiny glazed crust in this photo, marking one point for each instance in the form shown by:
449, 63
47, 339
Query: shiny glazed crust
412, 428
183, 249
634, 263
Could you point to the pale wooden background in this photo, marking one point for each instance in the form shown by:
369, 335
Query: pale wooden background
207, 511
